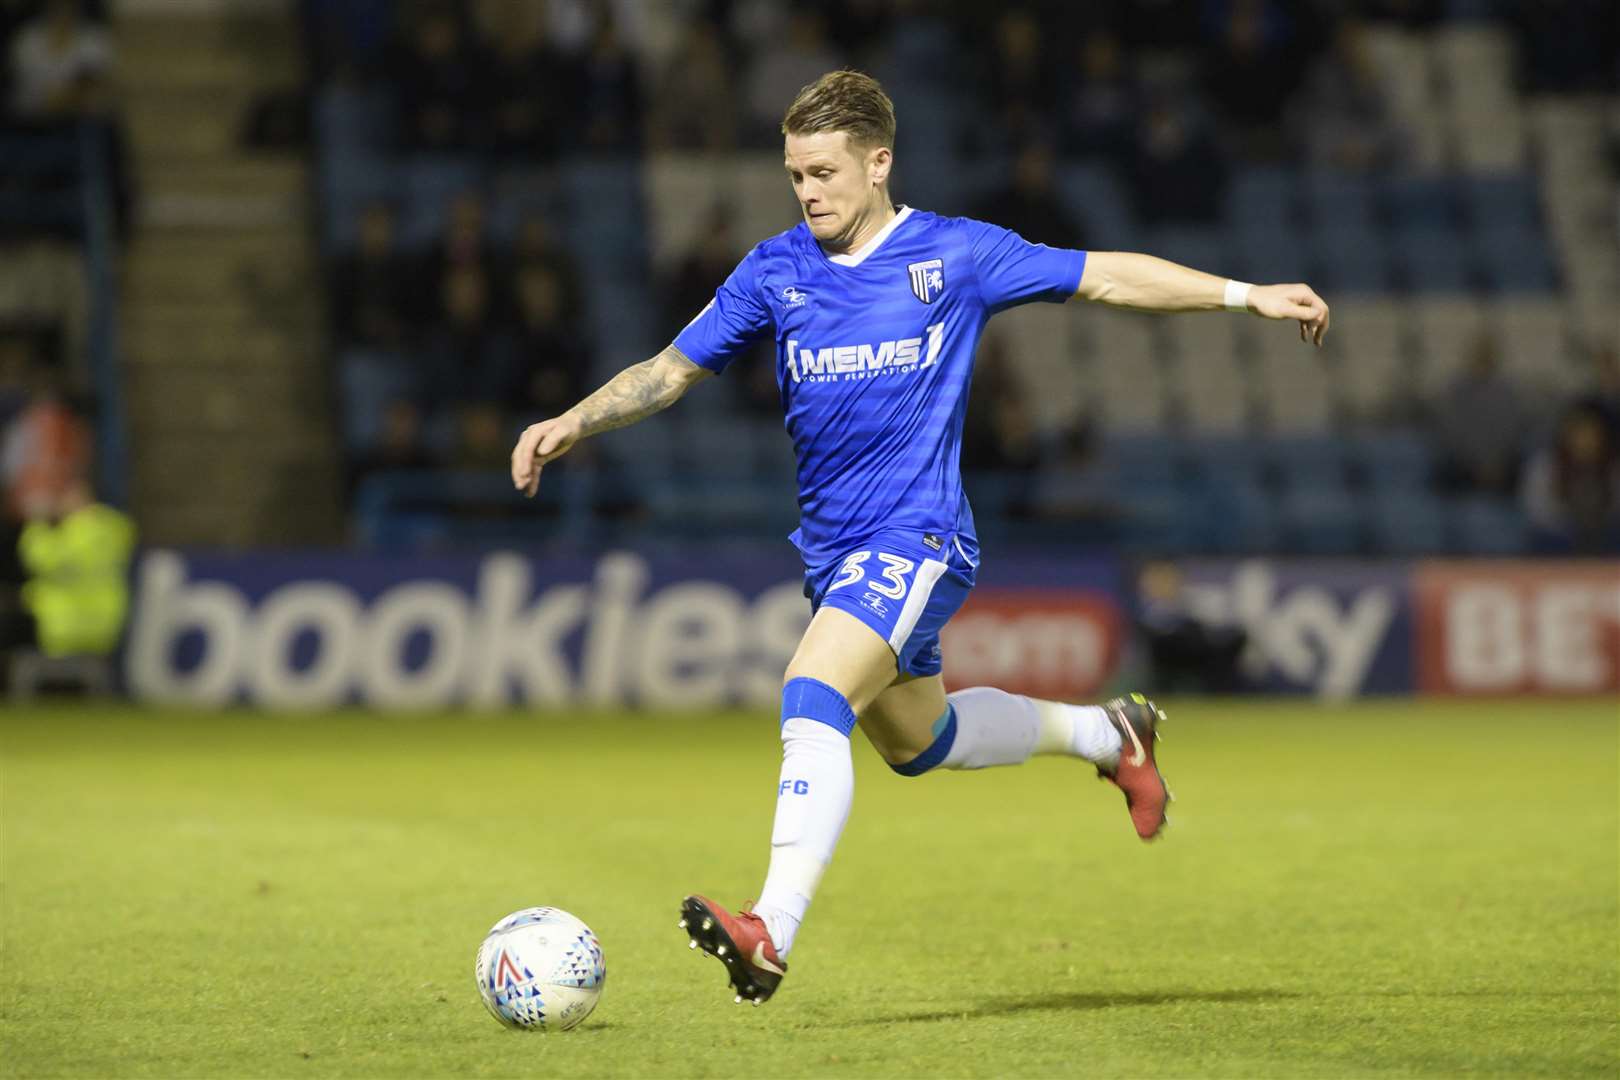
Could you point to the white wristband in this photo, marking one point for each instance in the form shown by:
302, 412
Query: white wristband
1237, 295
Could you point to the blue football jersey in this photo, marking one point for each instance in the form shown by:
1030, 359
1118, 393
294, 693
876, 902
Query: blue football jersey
874, 354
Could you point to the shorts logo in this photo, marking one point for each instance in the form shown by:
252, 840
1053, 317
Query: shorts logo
872, 603
927, 279
793, 296
933, 541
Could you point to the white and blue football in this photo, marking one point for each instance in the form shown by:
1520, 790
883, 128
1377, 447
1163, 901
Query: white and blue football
540, 969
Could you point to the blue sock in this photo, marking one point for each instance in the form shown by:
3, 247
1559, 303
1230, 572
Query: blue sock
944, 739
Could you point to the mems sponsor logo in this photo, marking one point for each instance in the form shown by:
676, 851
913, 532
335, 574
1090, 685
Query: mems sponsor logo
424, 642
1519, 627
866, 360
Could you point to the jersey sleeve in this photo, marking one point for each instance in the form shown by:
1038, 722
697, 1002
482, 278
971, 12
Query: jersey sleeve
1013, 271
735, 319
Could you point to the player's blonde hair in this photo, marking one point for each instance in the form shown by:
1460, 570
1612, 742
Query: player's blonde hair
848, 101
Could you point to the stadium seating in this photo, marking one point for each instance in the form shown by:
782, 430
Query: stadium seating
1218, 434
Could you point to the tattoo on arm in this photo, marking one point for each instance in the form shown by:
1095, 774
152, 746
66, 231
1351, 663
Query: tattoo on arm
636, 393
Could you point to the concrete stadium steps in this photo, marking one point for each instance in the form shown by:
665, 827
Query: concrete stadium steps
227, 388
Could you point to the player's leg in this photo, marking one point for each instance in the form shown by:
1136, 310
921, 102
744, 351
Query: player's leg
840, 666
917, 728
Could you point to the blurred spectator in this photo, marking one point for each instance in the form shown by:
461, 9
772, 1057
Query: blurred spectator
1022, 86
59, 65
1176, 172
462, 359
1481, 421
1605, 393
537, 248
76, 554
436, 70
1030, 206
782, 66
1571, 490
465, 243
551, 360
1567, 45
999, 437
688, 286
1343, 119
860, 29
1409, 13
371, 287
609, 91
530, 84
1102, 103
45, 448
695, 106
401, 441
1185, 652
1251, 72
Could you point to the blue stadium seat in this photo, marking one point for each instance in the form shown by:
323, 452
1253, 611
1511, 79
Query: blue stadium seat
1237, 460
1393, 461
1095, 197
1341, 202
1205, 249
370, 379
1351, 261
1234, 515
1264, 198
1420, 203
349, 119
1309, 464
430, 184
1502, 200
1516, 259
1266, 253
1407, 523
1140, 464
1488, 526
1434, 261
1321, 521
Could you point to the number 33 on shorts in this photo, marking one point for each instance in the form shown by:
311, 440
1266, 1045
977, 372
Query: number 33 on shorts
904, 598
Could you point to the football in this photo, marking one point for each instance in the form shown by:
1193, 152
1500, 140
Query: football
540, 969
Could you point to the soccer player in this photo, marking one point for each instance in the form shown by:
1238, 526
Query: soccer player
876, 311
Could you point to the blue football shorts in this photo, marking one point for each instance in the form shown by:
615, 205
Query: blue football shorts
905, 585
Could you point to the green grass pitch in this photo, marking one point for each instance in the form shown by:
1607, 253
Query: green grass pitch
1382, 889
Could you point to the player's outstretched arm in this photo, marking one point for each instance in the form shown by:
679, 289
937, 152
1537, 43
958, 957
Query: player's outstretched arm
1146, 283
633, 394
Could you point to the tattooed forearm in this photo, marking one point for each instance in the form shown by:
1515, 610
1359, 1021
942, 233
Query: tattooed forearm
637, 392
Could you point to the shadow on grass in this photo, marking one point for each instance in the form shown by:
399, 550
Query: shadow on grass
1083, 1002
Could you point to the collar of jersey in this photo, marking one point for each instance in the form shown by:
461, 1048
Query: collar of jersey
855, 258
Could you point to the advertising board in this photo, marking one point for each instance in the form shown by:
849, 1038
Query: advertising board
315, 630
1510, 627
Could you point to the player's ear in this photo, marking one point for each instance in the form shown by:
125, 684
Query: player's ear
878, 163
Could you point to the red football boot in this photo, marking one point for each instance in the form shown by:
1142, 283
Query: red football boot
1137, 774
738, 941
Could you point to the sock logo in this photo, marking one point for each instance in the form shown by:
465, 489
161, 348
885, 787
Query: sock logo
793, 787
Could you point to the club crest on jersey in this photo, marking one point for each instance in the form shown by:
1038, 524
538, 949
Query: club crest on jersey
927, 279
793, 296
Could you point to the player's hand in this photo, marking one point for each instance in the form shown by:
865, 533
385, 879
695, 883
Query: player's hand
538, 445
1292, 302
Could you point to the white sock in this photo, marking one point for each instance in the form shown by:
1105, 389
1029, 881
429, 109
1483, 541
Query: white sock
813, 798
994, 727
1078, 731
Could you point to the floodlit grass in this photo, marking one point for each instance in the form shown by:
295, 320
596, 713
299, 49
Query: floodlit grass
1388, 889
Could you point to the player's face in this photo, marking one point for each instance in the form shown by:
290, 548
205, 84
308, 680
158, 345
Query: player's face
835, 183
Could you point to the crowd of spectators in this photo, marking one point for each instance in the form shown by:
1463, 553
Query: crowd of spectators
453, 341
